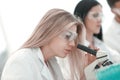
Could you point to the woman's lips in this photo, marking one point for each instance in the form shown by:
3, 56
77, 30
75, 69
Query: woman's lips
67, 51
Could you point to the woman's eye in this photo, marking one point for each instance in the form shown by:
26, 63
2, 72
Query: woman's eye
95, 15
68, 36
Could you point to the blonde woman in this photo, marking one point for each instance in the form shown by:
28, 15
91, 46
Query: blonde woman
55, 35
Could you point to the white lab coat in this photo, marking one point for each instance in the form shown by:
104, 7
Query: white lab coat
28, 64
114, 56
112, 36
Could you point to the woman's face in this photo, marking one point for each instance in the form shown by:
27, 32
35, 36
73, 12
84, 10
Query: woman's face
64, 43
93, 20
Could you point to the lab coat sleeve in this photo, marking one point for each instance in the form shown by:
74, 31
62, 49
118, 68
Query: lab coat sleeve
19, 68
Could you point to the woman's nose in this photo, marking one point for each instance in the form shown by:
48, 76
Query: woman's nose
100, 19
72, 43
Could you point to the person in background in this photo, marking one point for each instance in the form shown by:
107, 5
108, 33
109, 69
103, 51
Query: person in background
112, 35
90, 12
56, 35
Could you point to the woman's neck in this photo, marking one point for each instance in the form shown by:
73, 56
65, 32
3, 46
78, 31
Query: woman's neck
46, 53
90, 39
117, 18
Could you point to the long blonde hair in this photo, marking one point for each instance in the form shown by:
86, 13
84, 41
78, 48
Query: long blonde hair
50, 26
77, 59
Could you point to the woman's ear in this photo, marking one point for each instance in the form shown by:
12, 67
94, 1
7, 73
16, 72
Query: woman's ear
112, 10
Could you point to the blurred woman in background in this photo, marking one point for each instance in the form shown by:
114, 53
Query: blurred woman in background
90, 12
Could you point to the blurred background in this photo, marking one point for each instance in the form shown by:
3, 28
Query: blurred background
18, 18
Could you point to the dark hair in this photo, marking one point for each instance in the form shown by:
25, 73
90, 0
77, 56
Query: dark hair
82, 9
111, 3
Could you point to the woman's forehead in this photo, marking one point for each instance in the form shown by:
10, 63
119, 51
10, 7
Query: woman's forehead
96, 8
117, 4
71, 26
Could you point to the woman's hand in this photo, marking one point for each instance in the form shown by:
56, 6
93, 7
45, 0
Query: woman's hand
90, 57
89, 70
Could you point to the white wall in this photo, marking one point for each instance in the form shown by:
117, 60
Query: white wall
3, 42
20, 17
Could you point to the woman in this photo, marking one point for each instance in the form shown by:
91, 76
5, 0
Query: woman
91, 15
112, 36
90, 12
55, 35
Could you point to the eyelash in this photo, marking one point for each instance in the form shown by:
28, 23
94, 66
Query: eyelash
68, 37
95, 15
